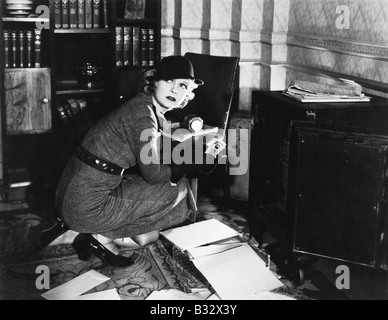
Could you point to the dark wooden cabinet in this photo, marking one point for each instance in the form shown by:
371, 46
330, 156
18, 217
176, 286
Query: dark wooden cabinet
318, 181
337, 195
269, 166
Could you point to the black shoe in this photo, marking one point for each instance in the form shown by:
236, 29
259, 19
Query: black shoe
49, 235
85, 245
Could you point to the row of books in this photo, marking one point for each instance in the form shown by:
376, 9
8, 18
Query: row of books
342, 90
75, 111
22, 48
81, 14
135, 46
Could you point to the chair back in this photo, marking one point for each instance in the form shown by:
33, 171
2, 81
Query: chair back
213, 100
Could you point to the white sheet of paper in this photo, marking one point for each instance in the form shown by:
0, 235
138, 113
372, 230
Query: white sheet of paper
272, 296
76, 286
237, 274
101, 295
199, 233
173, 294
211, 249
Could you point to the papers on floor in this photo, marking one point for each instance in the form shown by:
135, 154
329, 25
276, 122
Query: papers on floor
232, 267
237, 274
341, 91
173, 294
73, 289
101, 295
213, 249
198, 234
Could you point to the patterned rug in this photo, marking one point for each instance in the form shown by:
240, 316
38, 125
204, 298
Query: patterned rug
157, 266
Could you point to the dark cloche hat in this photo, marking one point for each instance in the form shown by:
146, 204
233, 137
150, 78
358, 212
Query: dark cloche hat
174, 67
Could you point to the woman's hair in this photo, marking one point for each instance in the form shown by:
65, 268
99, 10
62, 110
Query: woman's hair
149, 89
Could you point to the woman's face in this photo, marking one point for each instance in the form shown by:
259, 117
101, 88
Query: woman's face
171, 93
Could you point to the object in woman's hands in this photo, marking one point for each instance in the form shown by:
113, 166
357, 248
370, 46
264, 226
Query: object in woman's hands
192, 123
215, 146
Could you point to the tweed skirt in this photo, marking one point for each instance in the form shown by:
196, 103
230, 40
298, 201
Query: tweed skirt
91, 201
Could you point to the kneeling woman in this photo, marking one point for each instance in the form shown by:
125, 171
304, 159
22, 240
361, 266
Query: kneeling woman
96, 202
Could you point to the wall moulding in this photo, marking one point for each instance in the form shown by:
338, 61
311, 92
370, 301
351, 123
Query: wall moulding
373, 51
274, 37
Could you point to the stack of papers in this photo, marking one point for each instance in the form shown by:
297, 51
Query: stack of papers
345, 91
198, 234
232, 267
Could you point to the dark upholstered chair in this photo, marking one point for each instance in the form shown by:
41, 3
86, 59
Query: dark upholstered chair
213, 100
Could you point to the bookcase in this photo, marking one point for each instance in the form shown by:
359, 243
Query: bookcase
65, 64
26, 98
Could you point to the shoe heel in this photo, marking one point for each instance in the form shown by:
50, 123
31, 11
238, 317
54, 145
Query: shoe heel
106, 256
49, 235
82, 248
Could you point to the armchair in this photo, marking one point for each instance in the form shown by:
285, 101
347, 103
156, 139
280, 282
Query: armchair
213, 100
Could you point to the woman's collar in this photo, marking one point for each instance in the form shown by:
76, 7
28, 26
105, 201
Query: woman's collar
158, 107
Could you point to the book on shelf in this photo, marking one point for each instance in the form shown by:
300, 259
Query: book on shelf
73, 14
57, 14
88, 14
151, 47
74, 107
7, 45
64, 112
136, 46
144, 47
14, 48
65, 14
105, 13
74, 110
119, 41
81, 14
37, 47
127, 60
29, 48
21, 48
96, 14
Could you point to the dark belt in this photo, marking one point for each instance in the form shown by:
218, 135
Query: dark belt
97, 163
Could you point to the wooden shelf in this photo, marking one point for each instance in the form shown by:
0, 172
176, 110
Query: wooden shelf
82, 31
25, 69
122, 21
64, 91
13, 19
